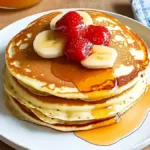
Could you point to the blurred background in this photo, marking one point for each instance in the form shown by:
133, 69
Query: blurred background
9, 16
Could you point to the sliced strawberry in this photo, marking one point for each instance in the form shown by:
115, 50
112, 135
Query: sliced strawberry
98, 35
78, 49
71, 24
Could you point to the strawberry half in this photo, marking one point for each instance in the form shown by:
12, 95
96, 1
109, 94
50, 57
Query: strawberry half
78, 49
98, 35
71, 24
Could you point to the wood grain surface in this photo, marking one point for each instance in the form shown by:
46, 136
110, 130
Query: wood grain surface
9, 16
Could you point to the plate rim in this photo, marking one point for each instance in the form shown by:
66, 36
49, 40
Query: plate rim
82, 8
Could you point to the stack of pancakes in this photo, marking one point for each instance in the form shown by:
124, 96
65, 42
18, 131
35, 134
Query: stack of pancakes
66, 96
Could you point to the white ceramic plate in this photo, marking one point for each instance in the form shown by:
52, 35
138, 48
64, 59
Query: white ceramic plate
21, 134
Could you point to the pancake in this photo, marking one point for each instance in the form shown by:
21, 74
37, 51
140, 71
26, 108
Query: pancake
25, 114
66, 96
34, 91
50, 120
69, 109
56, 76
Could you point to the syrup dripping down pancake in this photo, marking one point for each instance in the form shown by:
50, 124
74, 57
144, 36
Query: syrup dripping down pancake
48, 107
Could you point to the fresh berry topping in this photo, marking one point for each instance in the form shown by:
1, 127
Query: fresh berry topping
71, 24
71, 19
98, 35
75, 31
78, 49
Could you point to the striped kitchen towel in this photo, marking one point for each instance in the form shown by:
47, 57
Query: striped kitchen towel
141, 10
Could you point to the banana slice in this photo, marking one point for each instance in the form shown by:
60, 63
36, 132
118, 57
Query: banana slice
86, 19
54, 20
49, 44
101, 57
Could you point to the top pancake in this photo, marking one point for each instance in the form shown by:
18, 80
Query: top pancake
63, 78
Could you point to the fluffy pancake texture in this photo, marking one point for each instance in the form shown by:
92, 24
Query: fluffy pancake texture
23, 113
65, 109
65, 96
68, 115
78, 83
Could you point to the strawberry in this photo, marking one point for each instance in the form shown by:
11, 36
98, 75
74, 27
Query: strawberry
76, 31
78, 49
71, 24
71, 19
98, 35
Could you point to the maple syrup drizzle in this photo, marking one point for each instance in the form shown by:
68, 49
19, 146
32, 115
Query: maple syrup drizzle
84, 79
130, 121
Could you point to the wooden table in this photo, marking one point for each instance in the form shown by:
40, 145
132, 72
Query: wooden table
9, 16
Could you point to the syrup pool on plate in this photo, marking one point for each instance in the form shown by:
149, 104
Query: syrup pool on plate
130, 122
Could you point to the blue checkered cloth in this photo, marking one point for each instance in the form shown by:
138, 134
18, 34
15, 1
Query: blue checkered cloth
141, 10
